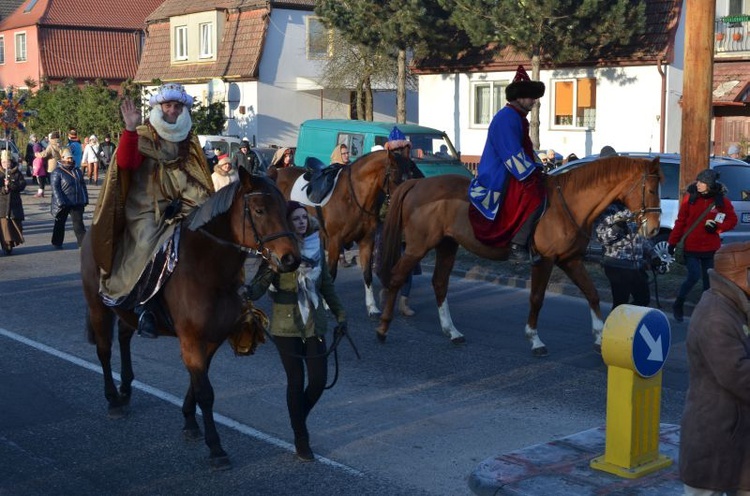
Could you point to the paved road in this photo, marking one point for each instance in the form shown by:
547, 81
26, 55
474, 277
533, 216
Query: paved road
414, 416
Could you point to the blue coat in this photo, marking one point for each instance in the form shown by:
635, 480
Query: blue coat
68, 188
77, 150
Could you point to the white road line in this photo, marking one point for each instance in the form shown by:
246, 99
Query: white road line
170, 398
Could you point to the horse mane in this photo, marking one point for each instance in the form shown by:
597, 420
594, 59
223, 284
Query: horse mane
594, 173
219, 203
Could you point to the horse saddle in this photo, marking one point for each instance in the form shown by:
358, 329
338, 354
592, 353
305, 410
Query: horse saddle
320, 180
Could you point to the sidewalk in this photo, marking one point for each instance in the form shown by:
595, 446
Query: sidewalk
561, 468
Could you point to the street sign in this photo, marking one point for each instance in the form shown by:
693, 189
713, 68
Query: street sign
651, 343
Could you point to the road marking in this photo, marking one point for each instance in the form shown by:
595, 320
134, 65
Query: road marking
170, 398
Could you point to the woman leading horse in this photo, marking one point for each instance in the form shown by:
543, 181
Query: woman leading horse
200, 298
433, 213
351, 214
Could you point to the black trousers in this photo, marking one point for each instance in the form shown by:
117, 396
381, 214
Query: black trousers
76, 217
626, 283
295, 355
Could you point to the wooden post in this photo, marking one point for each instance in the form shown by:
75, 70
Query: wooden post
697, 88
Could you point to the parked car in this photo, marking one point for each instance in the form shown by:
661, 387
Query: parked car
226, 144
733, 173
6, 144
431, 149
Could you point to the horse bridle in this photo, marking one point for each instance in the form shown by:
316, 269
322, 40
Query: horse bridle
640, 216
386, 187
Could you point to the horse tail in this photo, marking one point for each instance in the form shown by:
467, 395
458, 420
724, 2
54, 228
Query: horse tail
390, 248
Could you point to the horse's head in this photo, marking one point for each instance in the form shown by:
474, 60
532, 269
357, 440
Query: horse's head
259, 222
642, 198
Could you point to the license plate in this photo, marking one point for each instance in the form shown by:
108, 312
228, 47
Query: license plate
746, 217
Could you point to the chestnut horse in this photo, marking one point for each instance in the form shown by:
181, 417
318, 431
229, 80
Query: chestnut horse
200, 297
433, 213
351, 214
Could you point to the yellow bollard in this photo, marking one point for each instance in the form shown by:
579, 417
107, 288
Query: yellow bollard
635, 345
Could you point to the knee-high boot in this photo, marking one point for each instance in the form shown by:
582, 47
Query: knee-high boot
678, 309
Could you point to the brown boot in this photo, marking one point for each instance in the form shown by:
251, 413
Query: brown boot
403, 307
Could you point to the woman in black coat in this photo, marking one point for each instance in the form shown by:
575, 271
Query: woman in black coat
12, 183
69, 196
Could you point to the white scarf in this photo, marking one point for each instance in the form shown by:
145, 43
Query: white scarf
308, 274
171, 132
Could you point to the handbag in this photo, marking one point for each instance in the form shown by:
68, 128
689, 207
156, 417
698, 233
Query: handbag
679, 249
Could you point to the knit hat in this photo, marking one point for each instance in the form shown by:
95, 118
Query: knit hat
708, 177
224, 159
170, 92
607, 151
72, 134
523, 87
66, 153
733, 261
396, 140
5, 155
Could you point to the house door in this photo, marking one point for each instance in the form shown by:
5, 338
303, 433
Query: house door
731, 131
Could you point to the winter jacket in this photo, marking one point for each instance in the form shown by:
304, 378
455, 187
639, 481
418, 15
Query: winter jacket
623, 247
68, 188
715, 430
700, 241
249, 162
10, 198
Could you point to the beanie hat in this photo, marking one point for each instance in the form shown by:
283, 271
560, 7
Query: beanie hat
170, 92
733, 261
607, 151
66, 153
396, 140
708, 177
223, 159
523, 87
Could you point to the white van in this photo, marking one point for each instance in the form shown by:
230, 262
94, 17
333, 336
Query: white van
226, 144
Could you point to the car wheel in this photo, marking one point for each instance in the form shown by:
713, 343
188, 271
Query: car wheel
661, 248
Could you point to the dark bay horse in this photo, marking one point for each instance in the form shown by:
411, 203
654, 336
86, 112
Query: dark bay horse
200, 296
351, 214
433, 213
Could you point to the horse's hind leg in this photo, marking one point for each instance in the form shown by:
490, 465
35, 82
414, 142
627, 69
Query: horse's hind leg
540, 274
445, 258
399, 273
190, 430
124, 336
576, 271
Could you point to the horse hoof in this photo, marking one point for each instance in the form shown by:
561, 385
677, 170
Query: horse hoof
117, 412
192, 434
220, 463
373, 313
381, 337
458, 340
540, 352
598, 348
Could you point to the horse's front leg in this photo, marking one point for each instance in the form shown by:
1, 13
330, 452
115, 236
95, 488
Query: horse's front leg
576, 271
197, 358
333, 246
445, 258
540, 274
101, 327
124, 336
190, 430
366, 245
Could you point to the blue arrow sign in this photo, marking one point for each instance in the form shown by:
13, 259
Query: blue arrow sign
651, 343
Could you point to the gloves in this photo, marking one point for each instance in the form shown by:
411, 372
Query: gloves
670, 249
710, 226
340, 330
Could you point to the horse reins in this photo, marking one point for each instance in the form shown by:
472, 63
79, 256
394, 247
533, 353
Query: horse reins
386, 187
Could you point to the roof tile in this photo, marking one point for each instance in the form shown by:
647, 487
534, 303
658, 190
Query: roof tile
130, 14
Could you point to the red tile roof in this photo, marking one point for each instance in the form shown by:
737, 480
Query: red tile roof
731, 82
656, 43
7, 7
85, 54
129, 15
245, 29
172, 8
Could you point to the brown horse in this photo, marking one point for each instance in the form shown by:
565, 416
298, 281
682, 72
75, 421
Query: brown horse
351, 214
200, 297
433, 213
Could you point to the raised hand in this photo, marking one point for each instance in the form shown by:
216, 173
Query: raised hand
130, 114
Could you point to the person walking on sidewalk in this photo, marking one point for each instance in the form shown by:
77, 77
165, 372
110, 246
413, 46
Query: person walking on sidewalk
715, 431
706, 194
12, 183
299, 322
51, 156
69, 197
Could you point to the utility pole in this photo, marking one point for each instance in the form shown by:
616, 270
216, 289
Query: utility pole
697, 89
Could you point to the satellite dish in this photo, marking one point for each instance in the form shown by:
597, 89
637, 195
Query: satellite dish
234, 96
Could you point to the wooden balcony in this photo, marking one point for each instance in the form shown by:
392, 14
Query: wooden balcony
732, 35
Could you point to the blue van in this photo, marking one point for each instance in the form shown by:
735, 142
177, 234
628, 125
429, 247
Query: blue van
431, 149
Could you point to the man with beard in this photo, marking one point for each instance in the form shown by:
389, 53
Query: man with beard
159, 175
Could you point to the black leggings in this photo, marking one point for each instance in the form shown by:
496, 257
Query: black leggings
300, 400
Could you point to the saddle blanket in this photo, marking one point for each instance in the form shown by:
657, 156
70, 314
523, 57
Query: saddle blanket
300, 189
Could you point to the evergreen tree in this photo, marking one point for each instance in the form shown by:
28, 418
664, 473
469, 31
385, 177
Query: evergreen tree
549, 31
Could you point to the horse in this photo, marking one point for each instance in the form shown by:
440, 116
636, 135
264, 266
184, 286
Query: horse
433, 213
352, 213
200, 298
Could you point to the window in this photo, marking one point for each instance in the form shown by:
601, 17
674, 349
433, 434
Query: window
20, 47
2, 49
180, 43
489, 98
30, 6
735, 7
354, 142
318, 39
207, 40
575, 103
